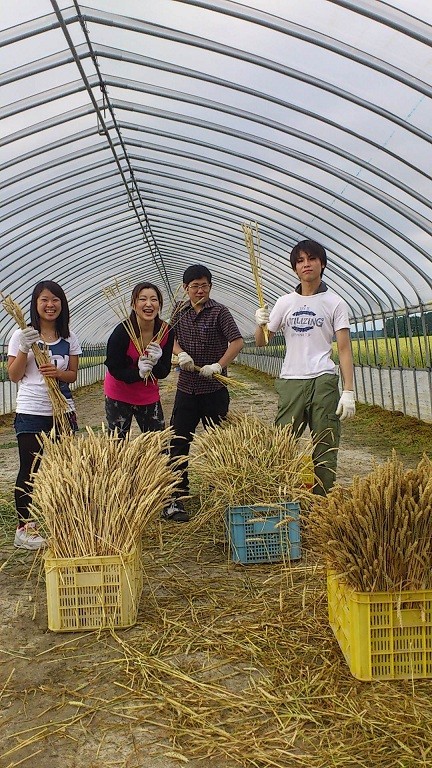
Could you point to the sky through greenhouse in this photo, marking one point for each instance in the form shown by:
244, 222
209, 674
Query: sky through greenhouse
137, 137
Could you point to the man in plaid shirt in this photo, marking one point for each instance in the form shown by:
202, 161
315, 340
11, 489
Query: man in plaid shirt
206, 340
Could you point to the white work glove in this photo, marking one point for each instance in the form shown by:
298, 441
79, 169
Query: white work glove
28, 337
262, 315
154, 352
209, 370
346, 406
185, 361
145, 366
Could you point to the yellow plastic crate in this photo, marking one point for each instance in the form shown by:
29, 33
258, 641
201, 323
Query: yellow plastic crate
383, 636
308, 474
88, 593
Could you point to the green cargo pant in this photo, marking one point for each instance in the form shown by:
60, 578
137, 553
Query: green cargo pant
313, 403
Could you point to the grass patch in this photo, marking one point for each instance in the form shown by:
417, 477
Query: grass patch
7, 420
383, 431
259, 377
94, 428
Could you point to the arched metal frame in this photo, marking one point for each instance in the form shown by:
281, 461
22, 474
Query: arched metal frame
147, 133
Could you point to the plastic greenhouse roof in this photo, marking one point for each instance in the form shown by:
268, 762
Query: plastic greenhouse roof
137, 137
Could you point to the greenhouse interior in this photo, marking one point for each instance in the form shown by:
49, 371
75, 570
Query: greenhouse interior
191, 576
138, 137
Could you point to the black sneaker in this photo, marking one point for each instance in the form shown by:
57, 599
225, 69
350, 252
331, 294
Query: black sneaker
175, 512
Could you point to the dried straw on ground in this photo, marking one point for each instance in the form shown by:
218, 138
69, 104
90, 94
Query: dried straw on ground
246, 461
97, 495
58, 401
239, 666
377, 534
226, 667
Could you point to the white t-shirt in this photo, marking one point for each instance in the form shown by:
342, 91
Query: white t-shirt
308, 324
32, 394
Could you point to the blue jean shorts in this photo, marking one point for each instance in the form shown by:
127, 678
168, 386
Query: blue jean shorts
32, 424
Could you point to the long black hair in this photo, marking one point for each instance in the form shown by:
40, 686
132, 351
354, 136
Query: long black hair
62, 321
135, 293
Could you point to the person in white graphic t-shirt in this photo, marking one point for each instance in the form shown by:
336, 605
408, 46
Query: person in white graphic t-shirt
49, 317
308, 388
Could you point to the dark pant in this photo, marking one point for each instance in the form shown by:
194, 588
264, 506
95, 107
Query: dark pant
28, 428
30, 454
119, 416
187, 413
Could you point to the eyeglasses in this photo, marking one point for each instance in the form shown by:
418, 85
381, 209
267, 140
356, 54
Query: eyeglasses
199, 286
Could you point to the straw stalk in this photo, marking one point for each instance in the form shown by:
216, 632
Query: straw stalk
245, 461
98, 495
376, 535
255, 262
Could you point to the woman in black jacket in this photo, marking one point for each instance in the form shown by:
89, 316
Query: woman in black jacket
131, 382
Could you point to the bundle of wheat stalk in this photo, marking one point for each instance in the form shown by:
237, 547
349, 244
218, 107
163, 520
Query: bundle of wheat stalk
376, 535
116, 300
255, 262
58, 400
97, 495
245, 461
227, 380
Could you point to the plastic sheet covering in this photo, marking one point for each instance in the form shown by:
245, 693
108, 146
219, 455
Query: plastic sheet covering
137, 137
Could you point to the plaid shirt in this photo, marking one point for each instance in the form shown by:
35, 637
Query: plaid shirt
205, 336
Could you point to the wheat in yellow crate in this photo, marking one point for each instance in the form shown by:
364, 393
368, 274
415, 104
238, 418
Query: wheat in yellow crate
255, 261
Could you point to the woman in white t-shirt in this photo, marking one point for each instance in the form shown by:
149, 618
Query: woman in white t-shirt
49, 317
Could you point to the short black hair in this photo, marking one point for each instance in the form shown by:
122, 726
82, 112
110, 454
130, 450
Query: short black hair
311, 248
195, 272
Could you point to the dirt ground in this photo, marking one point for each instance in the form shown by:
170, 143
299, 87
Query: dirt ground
60, 694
